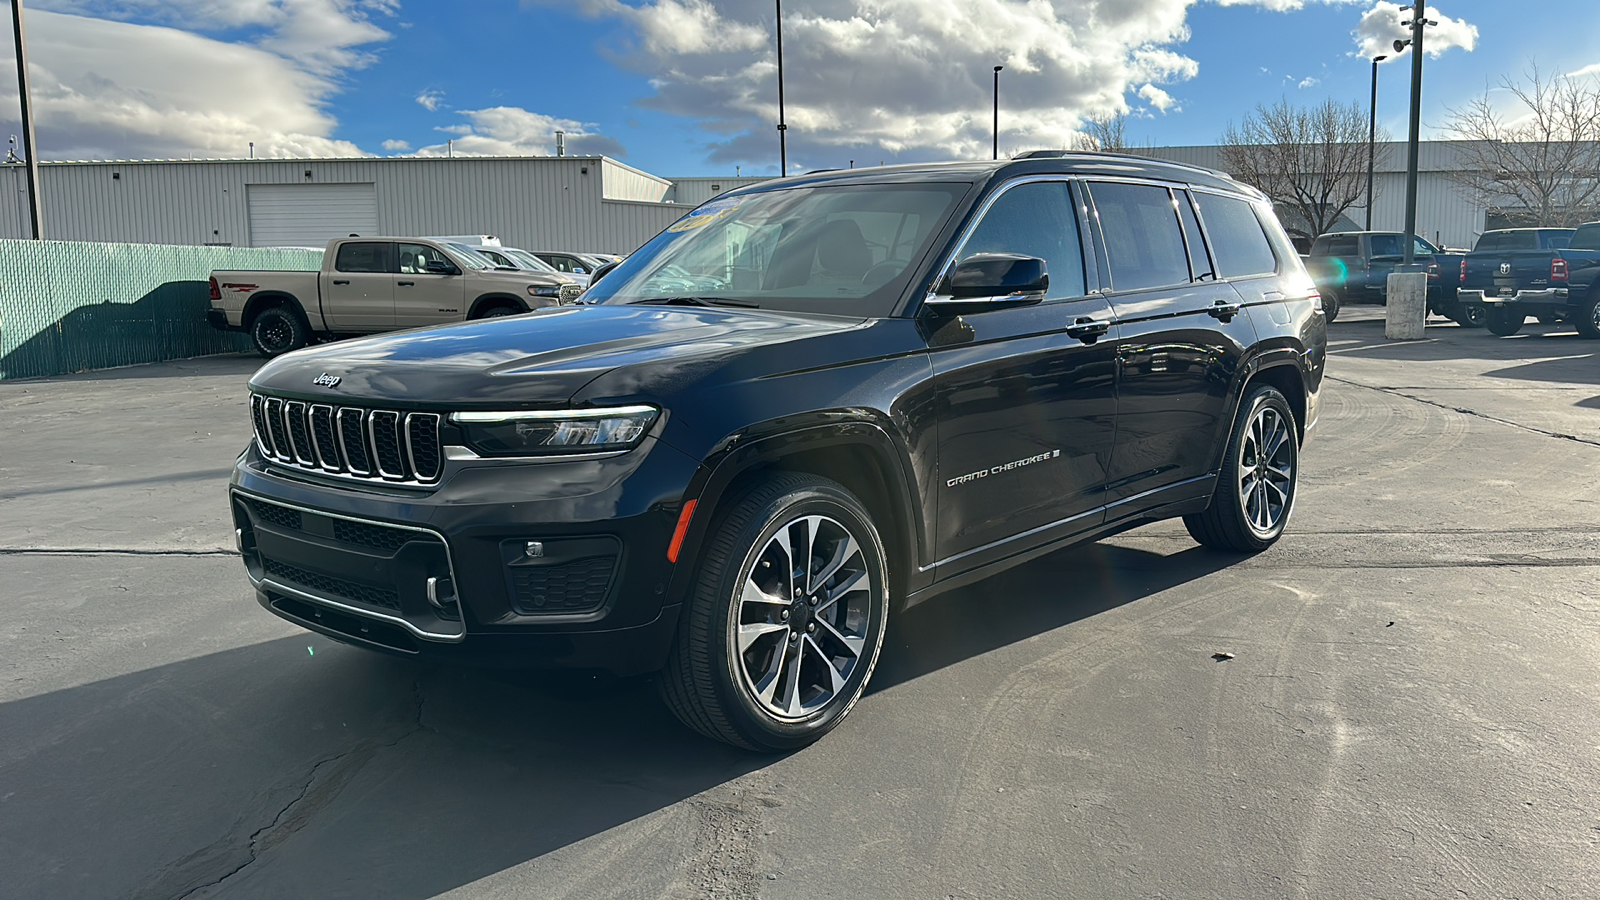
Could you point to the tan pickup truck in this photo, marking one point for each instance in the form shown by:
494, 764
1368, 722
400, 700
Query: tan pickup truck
368, 285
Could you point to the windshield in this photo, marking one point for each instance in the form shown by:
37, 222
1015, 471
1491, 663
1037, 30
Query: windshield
469, 257
846, 249
528, 260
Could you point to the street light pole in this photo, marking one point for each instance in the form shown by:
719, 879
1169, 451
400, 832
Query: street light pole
783, 128
1406, 290
997, 111
1418, 19
1372, 133
28, 147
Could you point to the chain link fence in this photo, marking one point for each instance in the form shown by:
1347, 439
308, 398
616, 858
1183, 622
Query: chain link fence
70, 306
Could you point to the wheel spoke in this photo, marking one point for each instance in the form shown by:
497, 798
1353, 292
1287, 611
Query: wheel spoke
842, 553
767, 686
785, 541
852, 582
835, 677
791, 684
754, 594
751, 632
852, 644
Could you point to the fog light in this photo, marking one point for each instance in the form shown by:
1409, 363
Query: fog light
533, 549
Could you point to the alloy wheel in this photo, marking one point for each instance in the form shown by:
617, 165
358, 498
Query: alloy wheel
1266, 471
805, 609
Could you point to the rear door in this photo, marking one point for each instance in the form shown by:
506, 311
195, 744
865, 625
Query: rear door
1182, 335
1026, 409
422, 297
358, 295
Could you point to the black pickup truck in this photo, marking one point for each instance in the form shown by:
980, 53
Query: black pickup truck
1548, 272
1354, 267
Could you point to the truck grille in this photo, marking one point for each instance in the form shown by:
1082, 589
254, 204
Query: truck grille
375, 444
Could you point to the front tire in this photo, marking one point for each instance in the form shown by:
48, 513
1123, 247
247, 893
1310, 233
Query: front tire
1503, 322
1256, 489
276, 331
1587, 318
786, 617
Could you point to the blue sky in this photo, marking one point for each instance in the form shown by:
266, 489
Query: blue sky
686, 87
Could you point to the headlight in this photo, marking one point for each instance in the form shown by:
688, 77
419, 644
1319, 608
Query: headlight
544, 290
535, 433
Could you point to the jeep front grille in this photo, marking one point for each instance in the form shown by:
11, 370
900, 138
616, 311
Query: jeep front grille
380, 445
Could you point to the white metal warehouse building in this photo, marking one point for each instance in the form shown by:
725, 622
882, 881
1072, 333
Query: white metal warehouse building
583, 203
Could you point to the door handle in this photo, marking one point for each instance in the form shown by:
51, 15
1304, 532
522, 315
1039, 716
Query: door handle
406, 283
1088, 330
1272, 295
1223, 310
341, 281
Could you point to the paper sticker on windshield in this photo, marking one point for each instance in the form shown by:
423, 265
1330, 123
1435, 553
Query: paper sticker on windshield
705, 215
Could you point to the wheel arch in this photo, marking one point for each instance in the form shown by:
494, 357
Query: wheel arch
485, 301
264, 300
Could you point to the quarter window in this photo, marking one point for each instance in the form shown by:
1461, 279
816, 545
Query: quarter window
1033, 219
362, 257
1144, 243
1237, 239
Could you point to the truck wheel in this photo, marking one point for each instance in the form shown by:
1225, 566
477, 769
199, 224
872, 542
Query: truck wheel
1469, 315
277, 330
497, 310
1588, 316
1255, 492
1548, 319
1331, 302
785, 619
1502, 321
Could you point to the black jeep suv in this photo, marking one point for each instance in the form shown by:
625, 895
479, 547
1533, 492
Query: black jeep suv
807, 404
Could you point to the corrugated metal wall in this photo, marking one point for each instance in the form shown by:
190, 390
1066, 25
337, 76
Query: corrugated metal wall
69, 306
695, 191
624, 182
543, 203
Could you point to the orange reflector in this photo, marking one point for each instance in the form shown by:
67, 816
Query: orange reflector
680, 531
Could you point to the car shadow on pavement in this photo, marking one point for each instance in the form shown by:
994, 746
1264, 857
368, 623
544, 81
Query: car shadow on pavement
301, 767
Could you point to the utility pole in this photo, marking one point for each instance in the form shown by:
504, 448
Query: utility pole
1406, 290
997, 111
1372, 133
783, 128
28, 147
1418, 20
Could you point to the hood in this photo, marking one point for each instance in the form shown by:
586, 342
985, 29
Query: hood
541, 358
525, 276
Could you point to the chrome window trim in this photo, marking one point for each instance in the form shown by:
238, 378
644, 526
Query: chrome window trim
449, 559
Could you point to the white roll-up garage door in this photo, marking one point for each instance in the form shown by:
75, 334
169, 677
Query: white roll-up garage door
310, 215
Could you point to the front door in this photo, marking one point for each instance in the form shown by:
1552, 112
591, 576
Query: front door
1026, 411
358, 295
1183, 333
422, 297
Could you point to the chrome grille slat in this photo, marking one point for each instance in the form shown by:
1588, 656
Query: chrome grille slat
379, 445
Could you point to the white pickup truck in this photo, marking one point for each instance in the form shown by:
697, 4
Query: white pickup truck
368, 285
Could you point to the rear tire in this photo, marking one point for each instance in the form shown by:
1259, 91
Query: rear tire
1587, 318
786, 617
1256, 488
276, 330
1503, 322
1331, 303
1469, 315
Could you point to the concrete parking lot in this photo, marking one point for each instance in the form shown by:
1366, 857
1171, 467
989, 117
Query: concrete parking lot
1411, 707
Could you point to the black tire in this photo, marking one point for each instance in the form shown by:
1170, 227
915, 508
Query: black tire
1548, 319
1469, 315
1587, 319
277, 330
710, 681
1241, 516
497, 310
1331, 304
1502, 321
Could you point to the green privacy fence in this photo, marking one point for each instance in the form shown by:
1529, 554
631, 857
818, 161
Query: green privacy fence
68, 306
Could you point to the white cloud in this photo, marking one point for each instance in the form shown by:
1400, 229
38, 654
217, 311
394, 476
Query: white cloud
106, 88
513, 131
1157, 97
1308, 81
431, 99
394, 146
1585, 72
1380, 27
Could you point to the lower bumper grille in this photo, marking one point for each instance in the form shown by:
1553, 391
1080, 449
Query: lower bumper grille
335, 588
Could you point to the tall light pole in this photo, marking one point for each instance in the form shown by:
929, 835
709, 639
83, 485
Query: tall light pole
997, 111
783, 128
28, 148
1372, 133
1406, 290
1419, 15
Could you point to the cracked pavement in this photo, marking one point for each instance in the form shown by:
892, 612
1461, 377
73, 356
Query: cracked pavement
1409, 709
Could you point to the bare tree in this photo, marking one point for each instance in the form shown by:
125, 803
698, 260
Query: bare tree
1311, 161
1540, 161
1105, 132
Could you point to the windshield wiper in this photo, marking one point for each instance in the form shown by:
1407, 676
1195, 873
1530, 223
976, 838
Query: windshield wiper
699, 301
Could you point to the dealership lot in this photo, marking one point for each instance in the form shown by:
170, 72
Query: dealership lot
1406, 704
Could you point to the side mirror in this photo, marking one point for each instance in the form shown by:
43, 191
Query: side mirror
439, 267
991, 281
601, 272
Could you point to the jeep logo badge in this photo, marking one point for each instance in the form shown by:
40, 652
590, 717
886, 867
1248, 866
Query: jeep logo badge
1505, 268
325, 380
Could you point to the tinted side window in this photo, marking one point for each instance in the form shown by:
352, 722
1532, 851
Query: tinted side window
1143, 242
1384, 244
1237, 240
1199, 260
1035, 219
362, 257
1489, 240
1343, 245
1519, 240
1558, 240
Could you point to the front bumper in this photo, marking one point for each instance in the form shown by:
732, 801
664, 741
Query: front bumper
1543, 296
447, 573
